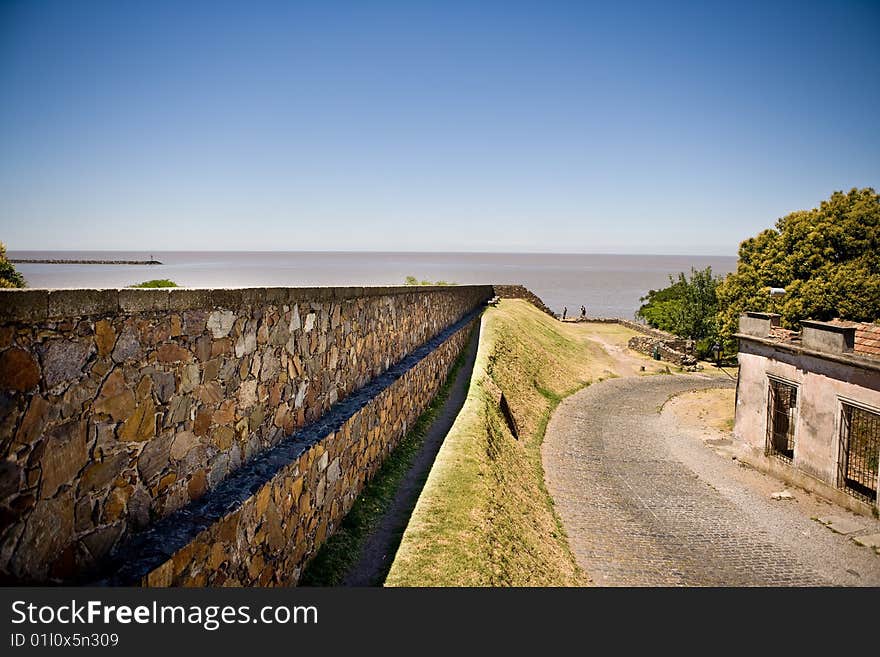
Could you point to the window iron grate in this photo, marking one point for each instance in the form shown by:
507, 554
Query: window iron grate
860, 452
781, 420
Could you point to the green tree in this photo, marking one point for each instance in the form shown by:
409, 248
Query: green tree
9, 276
658, 306
687, 307
827, 259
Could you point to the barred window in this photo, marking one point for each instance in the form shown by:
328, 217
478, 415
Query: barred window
781, 419
859, 452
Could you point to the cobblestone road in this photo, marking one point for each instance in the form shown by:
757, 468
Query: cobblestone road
645, 504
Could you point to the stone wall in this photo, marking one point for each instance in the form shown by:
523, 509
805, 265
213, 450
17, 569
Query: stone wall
670, 348
635, 326
647, 330
261, 526
678, 351
119, 407
522, 292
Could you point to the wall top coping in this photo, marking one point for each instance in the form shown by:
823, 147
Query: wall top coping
759, 315
40, 304
850, 359
828, 326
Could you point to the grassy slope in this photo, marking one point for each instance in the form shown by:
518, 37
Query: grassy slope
484, 517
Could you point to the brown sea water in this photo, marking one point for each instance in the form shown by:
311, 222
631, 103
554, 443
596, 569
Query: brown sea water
607, 284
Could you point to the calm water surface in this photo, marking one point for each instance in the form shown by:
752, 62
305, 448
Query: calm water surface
608, 285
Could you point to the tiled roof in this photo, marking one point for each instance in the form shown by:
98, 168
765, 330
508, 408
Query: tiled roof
868, 339
779, 333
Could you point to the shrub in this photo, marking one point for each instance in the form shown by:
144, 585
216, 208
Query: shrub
412, 280
687, 307
156, 282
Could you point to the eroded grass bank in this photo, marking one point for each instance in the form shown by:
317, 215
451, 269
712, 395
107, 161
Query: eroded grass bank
485, 517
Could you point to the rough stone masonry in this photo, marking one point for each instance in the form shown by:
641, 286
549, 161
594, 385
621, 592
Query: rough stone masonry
262, 524
120, 407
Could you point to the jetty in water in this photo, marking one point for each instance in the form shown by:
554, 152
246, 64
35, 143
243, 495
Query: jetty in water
83, 262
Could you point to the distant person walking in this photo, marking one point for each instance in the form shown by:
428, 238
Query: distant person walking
583, 312
564, 312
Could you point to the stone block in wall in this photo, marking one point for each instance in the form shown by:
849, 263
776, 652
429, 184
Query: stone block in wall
19, 370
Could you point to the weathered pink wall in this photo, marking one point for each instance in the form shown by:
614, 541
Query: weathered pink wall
822, 384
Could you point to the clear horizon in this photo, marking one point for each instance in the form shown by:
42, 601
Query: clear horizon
561, 253
635, 128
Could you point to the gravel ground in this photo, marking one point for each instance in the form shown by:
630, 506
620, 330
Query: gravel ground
645, 501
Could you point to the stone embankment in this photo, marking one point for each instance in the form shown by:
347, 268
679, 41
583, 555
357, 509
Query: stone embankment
522, 292
119, 408
83, 262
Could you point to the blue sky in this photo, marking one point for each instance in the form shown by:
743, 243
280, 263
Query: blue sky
622, 127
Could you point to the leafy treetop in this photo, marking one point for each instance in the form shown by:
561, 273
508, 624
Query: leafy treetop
827, 259
687, 307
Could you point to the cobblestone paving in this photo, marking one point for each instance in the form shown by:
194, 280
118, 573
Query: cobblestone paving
637, 514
